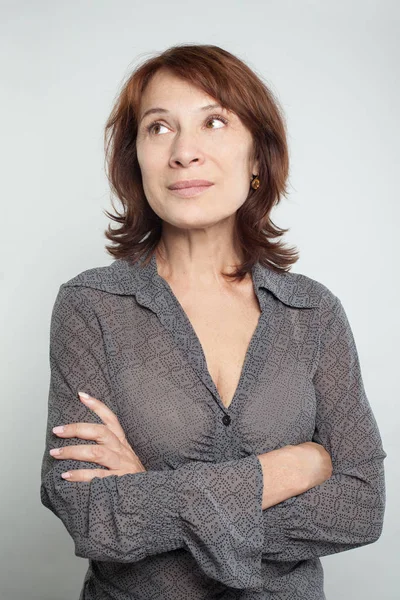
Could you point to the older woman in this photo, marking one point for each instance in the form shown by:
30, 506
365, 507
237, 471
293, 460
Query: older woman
227, 442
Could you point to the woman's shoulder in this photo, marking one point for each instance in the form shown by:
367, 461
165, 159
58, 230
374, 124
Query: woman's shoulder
86, 292
115, 278
296, 289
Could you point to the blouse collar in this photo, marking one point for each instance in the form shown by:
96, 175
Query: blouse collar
143, 281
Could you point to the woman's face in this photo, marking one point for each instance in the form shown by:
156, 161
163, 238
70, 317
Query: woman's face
191, 142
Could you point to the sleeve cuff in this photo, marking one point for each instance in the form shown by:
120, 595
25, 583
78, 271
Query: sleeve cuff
220, 508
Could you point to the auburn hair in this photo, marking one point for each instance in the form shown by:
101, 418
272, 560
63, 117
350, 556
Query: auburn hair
236, 87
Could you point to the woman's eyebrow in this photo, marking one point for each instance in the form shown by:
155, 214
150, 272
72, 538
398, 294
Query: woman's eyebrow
158, 109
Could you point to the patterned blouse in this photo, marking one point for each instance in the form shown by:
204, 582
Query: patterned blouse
192, 526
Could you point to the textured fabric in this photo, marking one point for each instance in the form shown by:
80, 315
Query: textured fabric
192, 526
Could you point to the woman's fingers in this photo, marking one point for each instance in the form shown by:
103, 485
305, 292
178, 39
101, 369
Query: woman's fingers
105, 414
85, 474
89, 431
112, 449
100, 455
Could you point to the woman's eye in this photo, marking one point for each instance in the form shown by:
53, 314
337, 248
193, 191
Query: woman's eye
217, 118
150, 128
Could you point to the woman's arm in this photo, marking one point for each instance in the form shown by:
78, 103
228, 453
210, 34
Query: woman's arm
347, 510
292, 470
212, 510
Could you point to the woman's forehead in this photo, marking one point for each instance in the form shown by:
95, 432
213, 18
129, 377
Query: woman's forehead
167, 91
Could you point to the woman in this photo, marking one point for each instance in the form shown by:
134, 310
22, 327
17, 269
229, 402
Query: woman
227, 442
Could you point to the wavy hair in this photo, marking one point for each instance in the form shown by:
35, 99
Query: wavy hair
236, 87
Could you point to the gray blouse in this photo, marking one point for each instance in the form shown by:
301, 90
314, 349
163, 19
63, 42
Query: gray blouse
192, 526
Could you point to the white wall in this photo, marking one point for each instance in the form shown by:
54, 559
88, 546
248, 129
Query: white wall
334, 65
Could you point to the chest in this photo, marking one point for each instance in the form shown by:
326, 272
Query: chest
225, 330
159, 383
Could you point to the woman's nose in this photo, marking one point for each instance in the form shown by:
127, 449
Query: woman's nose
186, 150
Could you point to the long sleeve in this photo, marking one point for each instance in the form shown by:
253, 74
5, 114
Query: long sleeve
211, 510
347, 510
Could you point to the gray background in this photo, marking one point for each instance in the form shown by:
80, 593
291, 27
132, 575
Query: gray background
335, 68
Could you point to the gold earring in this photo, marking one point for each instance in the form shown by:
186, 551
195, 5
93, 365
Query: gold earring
255, 184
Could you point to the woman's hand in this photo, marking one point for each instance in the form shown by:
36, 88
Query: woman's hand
112, 449
314, 464
292, 470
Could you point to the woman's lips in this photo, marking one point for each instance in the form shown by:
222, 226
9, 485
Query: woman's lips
191, 191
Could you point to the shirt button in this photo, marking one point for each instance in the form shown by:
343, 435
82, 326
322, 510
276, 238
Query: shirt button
226, 419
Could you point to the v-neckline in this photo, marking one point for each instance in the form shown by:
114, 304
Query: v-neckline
200, 366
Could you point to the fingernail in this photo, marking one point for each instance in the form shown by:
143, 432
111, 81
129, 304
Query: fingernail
55, 451
66, 475
58, 429
85, 397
